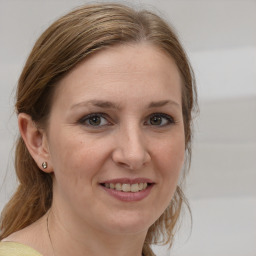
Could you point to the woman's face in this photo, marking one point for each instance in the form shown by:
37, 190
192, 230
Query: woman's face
116, 139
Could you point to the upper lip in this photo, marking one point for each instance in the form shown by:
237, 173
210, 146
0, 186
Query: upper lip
128, 181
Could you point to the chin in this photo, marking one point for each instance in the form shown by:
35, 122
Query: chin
131, 223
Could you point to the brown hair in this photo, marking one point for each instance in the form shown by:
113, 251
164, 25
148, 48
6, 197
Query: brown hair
60, 48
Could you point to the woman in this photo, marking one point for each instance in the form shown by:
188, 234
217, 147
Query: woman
104, 109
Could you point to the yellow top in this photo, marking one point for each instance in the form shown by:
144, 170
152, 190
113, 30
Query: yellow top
16, 249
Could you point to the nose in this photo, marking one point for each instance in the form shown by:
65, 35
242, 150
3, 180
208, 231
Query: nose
131, 151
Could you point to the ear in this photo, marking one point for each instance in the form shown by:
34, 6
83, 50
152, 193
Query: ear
36, 141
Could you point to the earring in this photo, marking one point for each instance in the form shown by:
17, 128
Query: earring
44, 165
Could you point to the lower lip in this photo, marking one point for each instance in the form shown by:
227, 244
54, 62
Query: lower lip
129, 196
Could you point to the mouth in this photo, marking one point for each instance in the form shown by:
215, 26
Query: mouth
128, 190
127, 187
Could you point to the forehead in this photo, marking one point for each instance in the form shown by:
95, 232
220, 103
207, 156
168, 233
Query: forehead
140, 68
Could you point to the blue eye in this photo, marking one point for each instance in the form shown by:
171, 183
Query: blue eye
96, 120
160, 119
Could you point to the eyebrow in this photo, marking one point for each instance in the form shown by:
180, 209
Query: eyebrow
109, 104
162, 103
97, 103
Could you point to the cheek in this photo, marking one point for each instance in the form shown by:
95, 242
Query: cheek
76, 157
74, 167
170, 157
171, 152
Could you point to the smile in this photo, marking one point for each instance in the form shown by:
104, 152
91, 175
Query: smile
128, 190
127, 187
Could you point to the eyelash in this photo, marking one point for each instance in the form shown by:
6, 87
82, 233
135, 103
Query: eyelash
86, 118
169, 118
83, 120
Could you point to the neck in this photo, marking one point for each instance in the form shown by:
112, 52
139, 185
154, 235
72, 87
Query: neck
71, 238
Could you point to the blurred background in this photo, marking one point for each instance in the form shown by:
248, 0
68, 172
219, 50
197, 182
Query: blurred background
220, 39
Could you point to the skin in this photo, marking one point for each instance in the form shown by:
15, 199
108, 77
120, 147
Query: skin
138, 82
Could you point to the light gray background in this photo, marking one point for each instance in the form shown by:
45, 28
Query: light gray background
220, 38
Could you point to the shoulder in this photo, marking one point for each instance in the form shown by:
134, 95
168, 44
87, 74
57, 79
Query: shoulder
16, 249
29, 241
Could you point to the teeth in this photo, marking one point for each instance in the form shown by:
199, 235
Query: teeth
141, 186
127, 187
135, 187
118, 186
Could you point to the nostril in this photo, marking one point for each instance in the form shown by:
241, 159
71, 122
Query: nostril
130, 157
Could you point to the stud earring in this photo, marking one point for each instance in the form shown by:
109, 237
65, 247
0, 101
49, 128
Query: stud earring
44, 165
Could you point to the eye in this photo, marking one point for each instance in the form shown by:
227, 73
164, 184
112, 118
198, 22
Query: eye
95, 120
159, 119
